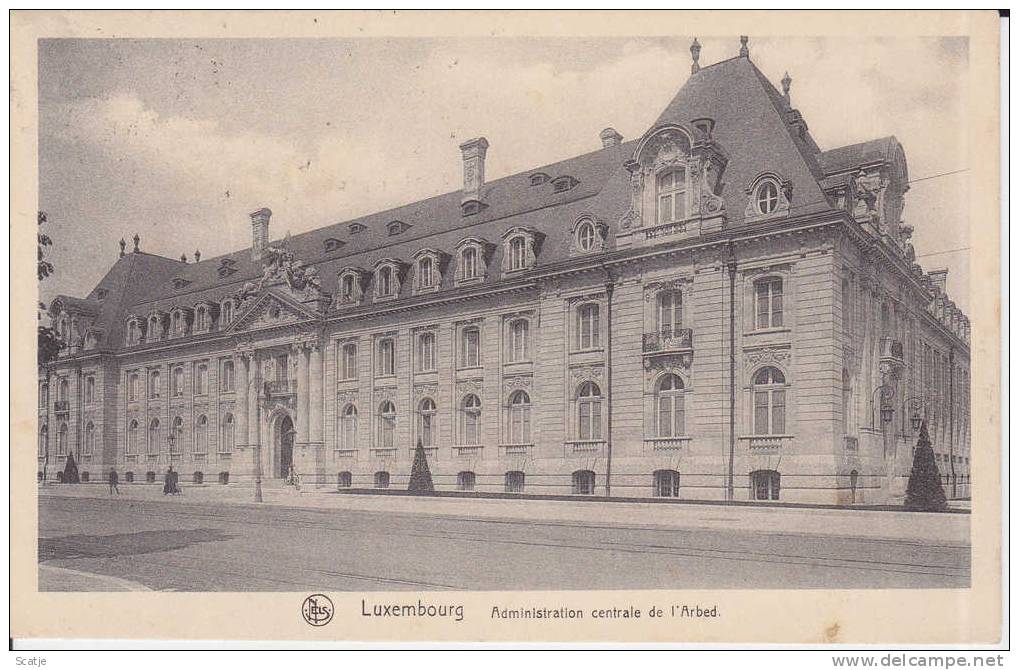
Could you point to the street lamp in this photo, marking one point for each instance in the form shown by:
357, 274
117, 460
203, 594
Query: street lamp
919, 411
886, 409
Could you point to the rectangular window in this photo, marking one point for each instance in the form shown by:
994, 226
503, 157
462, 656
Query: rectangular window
761, 413
768, 295
588, 327
778, 412
349, 362
471, 354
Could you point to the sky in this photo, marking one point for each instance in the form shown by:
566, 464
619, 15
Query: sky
178, 140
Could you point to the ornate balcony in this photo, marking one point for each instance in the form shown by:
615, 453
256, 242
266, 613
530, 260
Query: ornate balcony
468, 451
673, 445
584, 448
852, 444
515, 449
891, 351
62, 406
668, 340
283, 386
765, 444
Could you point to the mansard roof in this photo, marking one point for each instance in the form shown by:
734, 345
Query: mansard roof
851, 157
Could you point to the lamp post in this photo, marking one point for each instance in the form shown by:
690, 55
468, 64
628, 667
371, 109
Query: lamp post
919, 413
887, 411
257, 383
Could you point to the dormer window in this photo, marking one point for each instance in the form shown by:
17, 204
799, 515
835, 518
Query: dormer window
227, 312
349, 287
519, 252
101, 294
397, 227
180, 282
428, 270
671, 194
564, 183
538, 178
471, 207
768, 197
387, 279
588, 235
471, 263
332, 244
226, 267
135, 332
356, 228
203, 318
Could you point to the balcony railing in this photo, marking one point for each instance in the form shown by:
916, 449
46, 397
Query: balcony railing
62, 406
668, 339
430, 452
673, 444
468, 450
283, 386
852, 444
891, 350
346, 453
765, 444
384, 452
515, 449
584, 447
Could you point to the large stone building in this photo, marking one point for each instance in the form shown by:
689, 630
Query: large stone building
716, 308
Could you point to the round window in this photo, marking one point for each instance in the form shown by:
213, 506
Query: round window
586, 235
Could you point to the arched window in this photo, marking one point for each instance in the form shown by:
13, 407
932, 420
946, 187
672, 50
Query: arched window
202, 379
385, 281
343, 480
519, 340
465, 480
426, 422
470, 422
768, 296
349, 358
586, 235
44, 395
470, 347
382, 480
514, 481
347, 288
63, 391
226, 383
227, 312
583, 483
588, 326
426, 351
177, 443
90, 439
387, 425
348, 427
154, 385
44, 438
155, 437
90, 389
666, 483
200, 318
670, 312
765, 484
589, 412
62, 440
65, 331
132, 438
469, 263
518, 253
670, 407
227, 444
387, 357
671, 196
202, 435
520, 418
178, 381
767, 197
426, 273
769, 402
133, 388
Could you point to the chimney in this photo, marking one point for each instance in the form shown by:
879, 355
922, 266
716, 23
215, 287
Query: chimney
940, 279
259, 232
198, 255
473, 152
610, 138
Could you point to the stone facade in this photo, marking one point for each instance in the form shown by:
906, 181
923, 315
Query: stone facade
617, 324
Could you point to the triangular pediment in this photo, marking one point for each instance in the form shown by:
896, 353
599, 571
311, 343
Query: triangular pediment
270, 310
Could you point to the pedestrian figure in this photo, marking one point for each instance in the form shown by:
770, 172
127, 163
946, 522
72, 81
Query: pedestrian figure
113, 482
169, 481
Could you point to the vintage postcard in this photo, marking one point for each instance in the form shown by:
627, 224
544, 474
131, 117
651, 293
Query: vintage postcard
506, 327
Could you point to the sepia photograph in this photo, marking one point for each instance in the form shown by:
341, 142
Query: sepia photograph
374, 317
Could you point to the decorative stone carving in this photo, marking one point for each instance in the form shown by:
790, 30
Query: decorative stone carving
344, 398
652, 288
675, 363
517, 383
468, 386
380, 395
586, 373
280, 268
756, 358
422, 391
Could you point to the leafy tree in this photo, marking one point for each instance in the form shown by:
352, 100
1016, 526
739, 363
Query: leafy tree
45, 268
49, 341
71, 471
420, 475
924, 492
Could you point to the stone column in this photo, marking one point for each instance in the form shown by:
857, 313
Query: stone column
315, 394
254, 381
302, 394
241, 400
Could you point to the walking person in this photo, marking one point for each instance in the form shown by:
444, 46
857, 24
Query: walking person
168, 481
113, 482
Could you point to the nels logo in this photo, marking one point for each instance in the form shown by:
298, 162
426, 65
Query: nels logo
317, 609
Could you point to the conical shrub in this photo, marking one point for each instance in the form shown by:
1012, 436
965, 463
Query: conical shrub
924, 492
420, 475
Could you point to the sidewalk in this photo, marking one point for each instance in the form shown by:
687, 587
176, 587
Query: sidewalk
53, 578
941, 529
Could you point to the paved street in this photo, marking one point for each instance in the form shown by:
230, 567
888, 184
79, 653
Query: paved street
193, 545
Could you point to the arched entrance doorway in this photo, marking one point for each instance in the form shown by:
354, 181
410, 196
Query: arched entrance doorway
284, 442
